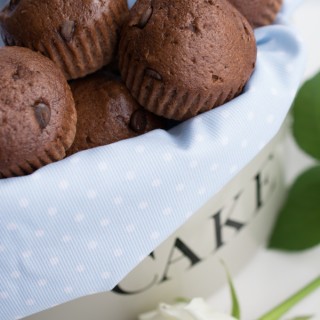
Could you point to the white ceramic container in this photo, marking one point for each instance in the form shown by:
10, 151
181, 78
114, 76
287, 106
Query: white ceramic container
230, 227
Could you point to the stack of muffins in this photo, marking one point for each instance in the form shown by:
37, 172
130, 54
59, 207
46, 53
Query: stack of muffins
162, 60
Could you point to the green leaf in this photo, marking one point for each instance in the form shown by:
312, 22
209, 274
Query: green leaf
181, 300
284, 307
235, 310
298, 224
302, 318
306, 116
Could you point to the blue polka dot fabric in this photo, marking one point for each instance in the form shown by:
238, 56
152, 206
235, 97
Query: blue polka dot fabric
80, 225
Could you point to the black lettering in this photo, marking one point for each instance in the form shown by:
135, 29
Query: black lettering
119, 290
218, 225
260, 183
186, 253
258, 191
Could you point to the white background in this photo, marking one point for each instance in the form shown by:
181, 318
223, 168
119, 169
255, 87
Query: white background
272, 276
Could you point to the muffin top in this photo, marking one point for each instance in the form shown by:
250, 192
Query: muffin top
31, 21
107, 113
258, 12
37, 114
206, 47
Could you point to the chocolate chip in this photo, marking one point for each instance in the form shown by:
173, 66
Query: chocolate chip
246, 30
16, 75
216, 78
194, 27
153, 74
43, 114
89, 140
145, 17
21, 71
138, 121
13, 4
67, 30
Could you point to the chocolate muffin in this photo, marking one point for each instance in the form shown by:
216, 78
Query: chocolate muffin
79, 36
37, 114
181, 58
258, 12
107, 113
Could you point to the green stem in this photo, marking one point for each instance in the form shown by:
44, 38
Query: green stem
284, 307
235, 311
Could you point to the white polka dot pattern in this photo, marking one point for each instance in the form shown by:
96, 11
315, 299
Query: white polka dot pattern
131, 195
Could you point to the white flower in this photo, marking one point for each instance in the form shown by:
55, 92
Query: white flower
197, 309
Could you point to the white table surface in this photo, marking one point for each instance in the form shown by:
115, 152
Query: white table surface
272, 276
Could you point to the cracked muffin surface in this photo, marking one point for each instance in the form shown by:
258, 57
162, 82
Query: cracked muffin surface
258, 12
37, 113
181, 58
107, 113
79, 36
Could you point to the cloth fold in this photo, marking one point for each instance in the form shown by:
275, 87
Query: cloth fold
80, 225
